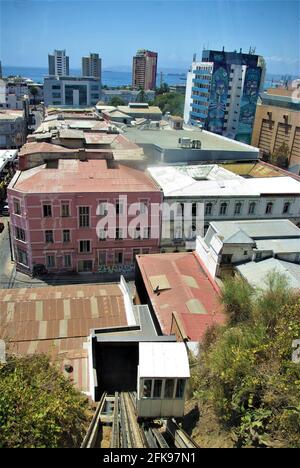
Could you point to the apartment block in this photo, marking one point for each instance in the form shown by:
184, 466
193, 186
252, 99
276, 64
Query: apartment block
222, 91
144, 69
56, 210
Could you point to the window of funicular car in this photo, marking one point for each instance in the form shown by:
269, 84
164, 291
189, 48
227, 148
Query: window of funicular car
157, 388
180, 388
169, 388
147, 387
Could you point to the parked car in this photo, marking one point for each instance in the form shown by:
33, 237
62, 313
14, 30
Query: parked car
5, 210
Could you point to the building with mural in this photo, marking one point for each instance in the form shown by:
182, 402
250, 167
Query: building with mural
222, 91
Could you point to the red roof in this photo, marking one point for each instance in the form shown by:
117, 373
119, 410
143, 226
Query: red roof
185, 290
93, 176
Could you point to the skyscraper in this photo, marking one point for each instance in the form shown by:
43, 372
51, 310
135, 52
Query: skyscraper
144, 69
222, 91
58, 63
0, 70
91, 66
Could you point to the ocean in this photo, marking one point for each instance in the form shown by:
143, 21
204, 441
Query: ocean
109, 78
112, 78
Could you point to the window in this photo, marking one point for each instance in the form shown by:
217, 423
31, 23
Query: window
180, 388
102, 258
22, 256
50, 261
157, 388
49, 237
252, 207
147, 388
119, 233
47, 211
17, 207
223, 209
84, 216
85, 246
67, 261
65, 210
238, 208
55, 86
119, 257
66, 235
286, 207
208, 208
269, 208
169, 388
20, 234
143, 206
119, 207
194, 209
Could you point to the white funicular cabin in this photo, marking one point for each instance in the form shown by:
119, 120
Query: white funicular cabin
162, 376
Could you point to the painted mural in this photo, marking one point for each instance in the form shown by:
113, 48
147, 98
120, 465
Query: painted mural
218, 98
248, 105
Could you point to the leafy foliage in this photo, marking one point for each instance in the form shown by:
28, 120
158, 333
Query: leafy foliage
39, 407
170, 102
245, 369
280, 156
116, 101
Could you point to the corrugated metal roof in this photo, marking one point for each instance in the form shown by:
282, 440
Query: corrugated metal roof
190, 290
256, 273
57, 321
93, 176
257, 229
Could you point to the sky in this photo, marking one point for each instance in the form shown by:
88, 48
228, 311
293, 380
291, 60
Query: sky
30, 29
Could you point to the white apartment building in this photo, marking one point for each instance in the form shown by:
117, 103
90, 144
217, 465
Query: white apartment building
58, 63
213, 193
251, 243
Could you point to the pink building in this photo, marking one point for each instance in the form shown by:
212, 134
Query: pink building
56, 207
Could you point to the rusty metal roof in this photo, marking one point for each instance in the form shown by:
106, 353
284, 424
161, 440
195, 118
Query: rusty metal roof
186, 290
57, 321
93, 176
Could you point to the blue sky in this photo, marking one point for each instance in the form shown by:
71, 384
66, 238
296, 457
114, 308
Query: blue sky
29, 29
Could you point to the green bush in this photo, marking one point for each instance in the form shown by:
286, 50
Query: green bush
245, 369
39, 407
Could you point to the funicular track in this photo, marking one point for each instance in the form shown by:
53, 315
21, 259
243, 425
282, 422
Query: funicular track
118, 413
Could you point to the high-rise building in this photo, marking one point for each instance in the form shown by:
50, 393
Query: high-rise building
144, 69
91, 66
58, 63
222, 92
0, 70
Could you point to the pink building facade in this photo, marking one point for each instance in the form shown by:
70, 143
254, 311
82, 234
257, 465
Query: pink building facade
55, 215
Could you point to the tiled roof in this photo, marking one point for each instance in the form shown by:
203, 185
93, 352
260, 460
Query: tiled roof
177, 284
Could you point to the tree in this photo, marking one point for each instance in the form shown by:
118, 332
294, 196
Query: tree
170, 102
116, 101
39, 407
280, 156
141, 97
34, 92
164, 88
246, 372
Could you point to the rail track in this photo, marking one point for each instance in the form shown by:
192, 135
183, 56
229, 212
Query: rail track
117, 413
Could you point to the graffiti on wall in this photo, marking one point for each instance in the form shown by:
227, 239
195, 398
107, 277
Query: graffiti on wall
248, 105
218, 99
